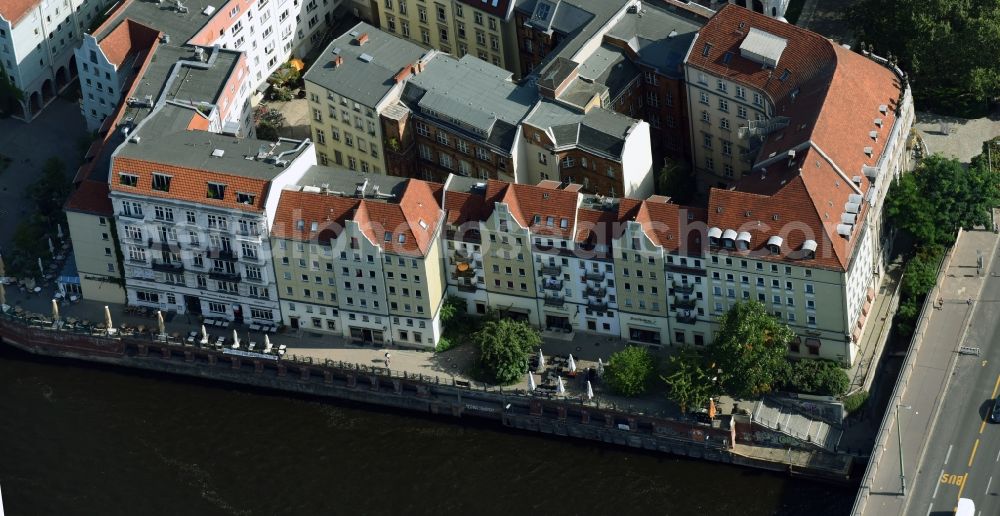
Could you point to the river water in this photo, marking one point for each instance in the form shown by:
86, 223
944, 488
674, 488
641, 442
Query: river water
83, 439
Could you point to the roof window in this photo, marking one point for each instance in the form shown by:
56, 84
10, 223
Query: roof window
161, 182
216, 191
706, 49
128, 180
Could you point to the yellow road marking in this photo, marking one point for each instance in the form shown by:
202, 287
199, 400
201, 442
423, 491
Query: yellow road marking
982, 426
949, 479
996, 387
973, 456
961, 486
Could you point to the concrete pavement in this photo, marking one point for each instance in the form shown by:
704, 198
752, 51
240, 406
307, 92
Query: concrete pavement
936, 369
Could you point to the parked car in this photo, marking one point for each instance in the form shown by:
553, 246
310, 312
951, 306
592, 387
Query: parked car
995, 411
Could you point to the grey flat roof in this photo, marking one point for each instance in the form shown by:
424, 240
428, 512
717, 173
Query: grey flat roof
661, 36
366, 82
342, 181
578, 19
599, 130
165, 18
605, 69
164, 138
459, 183
472, 96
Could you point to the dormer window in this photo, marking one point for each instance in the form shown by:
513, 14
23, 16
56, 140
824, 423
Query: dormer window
808, 249
549, 221
563, 223
402, 238
714, 234
774, 244
128, 180
161, 182
216, 191
388, 236
300, 224
245, 198
538, 219
729, 239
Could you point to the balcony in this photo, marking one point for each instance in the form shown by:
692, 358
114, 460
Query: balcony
467, 287
161, 245
594, 276
551, 270
551, 284
554, 301
465, 270
224, 276
595, 291
684, 288
224, 254
249, 235
686, 304
130, 215
687, 319
255, 259
162, 266
599, 306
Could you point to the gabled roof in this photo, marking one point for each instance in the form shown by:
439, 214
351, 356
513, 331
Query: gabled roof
127, 38
526, 202
407, 227
673, 227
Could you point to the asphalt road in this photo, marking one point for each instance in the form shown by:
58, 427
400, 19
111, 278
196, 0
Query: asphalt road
963, 452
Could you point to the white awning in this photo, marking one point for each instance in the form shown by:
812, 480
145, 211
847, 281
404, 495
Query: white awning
844, 230
855, 198
729, 235
714, 233
775, 241
848, 218
744, 236
809, 245
852, 207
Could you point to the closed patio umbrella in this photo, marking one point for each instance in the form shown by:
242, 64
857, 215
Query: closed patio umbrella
590, 391
204, 335
561, 387
40, 267
600, 368
571, 364
236, 339
59, 232
55, 310
531, 382
267, 344
159, 322
52, 247
541, 361
107, 317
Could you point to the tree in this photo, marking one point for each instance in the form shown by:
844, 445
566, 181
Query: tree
939, 197
688, 383
452, 306
822, 377
629, 371
676, 181
750, 348
941, 44
9, 93
504, 348
50, 190
921, 272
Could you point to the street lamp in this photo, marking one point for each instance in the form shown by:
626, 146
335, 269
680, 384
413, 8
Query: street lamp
899, 443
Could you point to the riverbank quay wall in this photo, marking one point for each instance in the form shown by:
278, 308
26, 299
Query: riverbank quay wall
431, 395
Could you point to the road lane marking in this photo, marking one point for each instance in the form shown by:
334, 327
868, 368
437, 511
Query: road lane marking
954, 480
929, 509
998, 457
961, 487
982, 426
996, 387
988, 485
948, 455
973, 456
936, 486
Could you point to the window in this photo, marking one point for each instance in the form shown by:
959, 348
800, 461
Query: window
217, 308
741, 112
724, 105
703, 97
741, 92
758, 100
724, 124
161, 182
721, 85
128, 180
216, 191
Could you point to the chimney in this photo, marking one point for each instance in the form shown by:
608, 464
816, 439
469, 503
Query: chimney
362, 39
337, 61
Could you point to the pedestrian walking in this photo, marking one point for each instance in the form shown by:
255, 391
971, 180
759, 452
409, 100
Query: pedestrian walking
387, 359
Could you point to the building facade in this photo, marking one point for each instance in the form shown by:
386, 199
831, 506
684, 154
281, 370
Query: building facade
37, 42
359, 76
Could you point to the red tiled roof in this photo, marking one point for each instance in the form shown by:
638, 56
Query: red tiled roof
188, 184
90, 197
527, 201
14, 10
128, 37
807, 54
375, 218
677, 229
198, 122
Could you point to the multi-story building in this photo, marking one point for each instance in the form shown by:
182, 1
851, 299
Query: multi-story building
192, 210
204, 82
37, 39
360, 256
801, 137
358, 76
460, 28
604, 152
462, 116
266, 32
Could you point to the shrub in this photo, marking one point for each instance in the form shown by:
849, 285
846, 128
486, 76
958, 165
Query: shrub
855, 402
630, 370
820, 377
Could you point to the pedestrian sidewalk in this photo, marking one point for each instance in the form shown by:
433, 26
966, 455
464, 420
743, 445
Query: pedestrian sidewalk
924, 379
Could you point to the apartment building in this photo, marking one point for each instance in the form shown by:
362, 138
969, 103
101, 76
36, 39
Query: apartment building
204, 83
464, 202
799, 139
463, 27
359, 256
358, 76
267, 32
37, 39
604, 152
462, 116
192, 211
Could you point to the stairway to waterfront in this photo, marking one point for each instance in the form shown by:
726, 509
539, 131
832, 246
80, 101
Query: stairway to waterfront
780, 418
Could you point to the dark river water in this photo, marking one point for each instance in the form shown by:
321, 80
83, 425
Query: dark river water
80, 439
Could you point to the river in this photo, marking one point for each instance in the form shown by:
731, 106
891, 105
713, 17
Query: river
83, 439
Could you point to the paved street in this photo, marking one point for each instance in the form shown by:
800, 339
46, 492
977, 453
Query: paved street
943, 409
